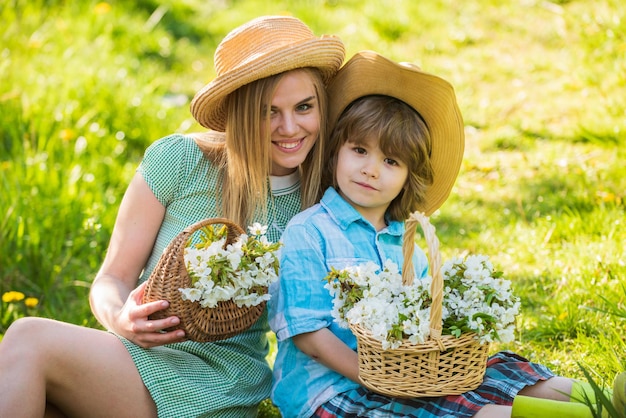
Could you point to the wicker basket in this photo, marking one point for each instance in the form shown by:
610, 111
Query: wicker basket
443, 364
200, 324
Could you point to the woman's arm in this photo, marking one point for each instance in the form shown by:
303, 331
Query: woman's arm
114, 298
325, 348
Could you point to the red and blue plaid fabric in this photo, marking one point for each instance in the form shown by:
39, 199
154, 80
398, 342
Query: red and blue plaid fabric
506, 374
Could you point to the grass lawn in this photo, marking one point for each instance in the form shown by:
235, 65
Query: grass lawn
87, 86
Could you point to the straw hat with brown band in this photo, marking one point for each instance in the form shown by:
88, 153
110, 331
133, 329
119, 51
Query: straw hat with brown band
262, 47
369, 73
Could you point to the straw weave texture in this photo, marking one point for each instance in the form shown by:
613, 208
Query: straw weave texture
442, 365
200, 324
260, 48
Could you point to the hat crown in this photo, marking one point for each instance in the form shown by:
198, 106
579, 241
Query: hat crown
369, 73
263, 47
259, 37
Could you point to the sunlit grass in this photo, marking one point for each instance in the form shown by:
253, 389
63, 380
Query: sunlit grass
87, 86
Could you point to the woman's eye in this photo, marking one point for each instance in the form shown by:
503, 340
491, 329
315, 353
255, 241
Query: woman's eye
264, 110
304, 107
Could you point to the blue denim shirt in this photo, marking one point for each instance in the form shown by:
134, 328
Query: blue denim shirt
329, 234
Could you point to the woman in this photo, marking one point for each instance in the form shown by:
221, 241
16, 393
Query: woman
269, 101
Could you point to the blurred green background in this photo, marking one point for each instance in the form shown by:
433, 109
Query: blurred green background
86, 86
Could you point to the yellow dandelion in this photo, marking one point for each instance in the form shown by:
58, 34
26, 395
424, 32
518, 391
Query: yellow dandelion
607, 197
12, 296
67, 134
31, 302
102, 8
35, 43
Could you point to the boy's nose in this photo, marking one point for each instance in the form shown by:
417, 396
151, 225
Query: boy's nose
370, 170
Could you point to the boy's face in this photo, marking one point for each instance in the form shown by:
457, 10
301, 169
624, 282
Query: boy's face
368, 179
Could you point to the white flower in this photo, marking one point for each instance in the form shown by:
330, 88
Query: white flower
251, 299
257, 229
191, 294
204, 283
475, 298
234, 258
242, 271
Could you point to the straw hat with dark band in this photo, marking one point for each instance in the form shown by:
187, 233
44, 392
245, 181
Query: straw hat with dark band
368, 73
263, 47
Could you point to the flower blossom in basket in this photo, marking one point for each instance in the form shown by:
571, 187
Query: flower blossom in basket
241, 271
476, 299
377, 300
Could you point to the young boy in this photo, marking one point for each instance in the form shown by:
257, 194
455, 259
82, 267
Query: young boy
396, 147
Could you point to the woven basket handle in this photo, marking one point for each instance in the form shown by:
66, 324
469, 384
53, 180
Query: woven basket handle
234, 230
434, 257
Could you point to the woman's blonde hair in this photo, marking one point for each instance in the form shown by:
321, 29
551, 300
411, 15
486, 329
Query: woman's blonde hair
246, 157
403, 135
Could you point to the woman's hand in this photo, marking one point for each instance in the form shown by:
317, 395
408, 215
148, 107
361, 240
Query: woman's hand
134, 324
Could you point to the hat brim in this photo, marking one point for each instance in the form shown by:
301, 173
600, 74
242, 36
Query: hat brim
325, 53
369, 73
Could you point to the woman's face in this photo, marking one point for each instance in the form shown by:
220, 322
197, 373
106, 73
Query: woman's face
294, 121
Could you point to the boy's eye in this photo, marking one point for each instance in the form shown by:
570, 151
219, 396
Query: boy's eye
360, 150
391, 161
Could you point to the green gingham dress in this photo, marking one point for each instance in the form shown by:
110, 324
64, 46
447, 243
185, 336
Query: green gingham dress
227, 378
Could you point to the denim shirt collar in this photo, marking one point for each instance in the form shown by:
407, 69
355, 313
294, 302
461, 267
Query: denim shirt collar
345, 214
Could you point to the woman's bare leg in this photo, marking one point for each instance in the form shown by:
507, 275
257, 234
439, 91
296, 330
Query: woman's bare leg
80, 371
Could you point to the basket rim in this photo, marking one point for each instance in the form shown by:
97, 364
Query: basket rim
442, 342
208, 221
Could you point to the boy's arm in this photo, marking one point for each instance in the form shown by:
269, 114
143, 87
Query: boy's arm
324, 347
